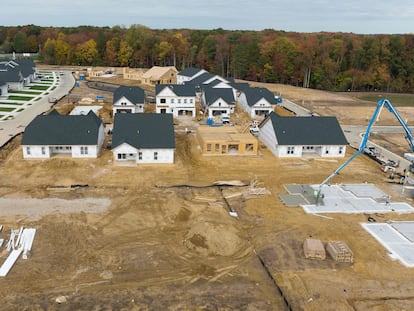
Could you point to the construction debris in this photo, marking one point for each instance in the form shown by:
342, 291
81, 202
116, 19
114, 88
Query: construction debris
314, 249
339, 251
23, 244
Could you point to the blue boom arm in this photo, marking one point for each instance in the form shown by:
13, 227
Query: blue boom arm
380, 105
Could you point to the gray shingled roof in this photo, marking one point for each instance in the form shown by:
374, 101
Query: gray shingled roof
27, 66
254, 94
143, 130
9, 74
200, 79
189, 72
212, 95
56, 129
178, 89
134, 94
307, 130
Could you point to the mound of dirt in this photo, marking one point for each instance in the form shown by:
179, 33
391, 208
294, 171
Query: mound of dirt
212, 239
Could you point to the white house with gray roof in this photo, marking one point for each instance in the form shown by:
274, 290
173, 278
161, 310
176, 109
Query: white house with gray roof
11, 74
257, 102
128, 99
177, 99
188, 74
143, 138
218, 101
294, 137
79, 136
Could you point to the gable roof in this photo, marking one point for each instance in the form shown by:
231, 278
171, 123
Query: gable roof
10, 72
56, 129
240, 86
212, 95
189, 72
135, 94
200, 79
254, 94
144, 130
27, 66
156, 72
178, 89
306, 130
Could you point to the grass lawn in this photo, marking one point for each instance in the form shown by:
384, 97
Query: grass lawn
39, 87
4, 103
25, 92
395, 99
6, 109
20, 98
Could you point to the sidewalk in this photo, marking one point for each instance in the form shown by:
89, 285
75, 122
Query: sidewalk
32, 108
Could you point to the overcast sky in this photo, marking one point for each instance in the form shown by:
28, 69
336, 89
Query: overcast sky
358, 16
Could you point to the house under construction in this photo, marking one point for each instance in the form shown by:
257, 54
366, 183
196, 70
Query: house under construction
226, 140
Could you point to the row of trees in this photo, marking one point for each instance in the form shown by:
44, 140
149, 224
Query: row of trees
330, 61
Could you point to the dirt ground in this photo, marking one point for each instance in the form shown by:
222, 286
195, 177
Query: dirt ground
166, 240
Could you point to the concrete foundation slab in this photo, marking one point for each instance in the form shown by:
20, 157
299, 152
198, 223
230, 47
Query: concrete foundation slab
406, 228
398, 245
295, 199
365, 190
337, 200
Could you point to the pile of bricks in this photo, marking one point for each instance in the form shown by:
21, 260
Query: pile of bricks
339, 251
314, 249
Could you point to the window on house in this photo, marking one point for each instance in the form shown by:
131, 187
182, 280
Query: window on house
155, 155
341, 149
28, 151
208, 147
121, 156
172, 100
217, 148
185, 100
140, 155
249, 147
179, 100
43, 150
191, 100
290, 150
84, 150
326, 151
163, 100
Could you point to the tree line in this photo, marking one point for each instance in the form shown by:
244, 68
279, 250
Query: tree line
328, 61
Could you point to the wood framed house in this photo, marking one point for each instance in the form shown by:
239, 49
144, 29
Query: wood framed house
128, 99
257, 102
300, 136
218, 101
178, 99
49, 135
188, 74
143, 138
160, 75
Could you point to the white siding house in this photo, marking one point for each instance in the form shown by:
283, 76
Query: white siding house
300, 136
176, 99
218, 102
188, 74
128, 99
143, 138
257, 102
79, 136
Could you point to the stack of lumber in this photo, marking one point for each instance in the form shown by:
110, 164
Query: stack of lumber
314, 249
339, 251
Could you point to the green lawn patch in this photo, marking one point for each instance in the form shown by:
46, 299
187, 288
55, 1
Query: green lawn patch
4, 103
25, 92
20, 98
395, 99
6, 109
53, 88
39, 87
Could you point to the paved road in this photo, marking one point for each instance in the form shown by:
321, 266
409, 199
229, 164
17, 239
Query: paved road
11, 128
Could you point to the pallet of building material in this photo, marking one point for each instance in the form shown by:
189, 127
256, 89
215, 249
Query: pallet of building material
339, 251
314, 249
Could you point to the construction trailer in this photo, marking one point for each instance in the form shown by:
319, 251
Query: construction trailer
226, 140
